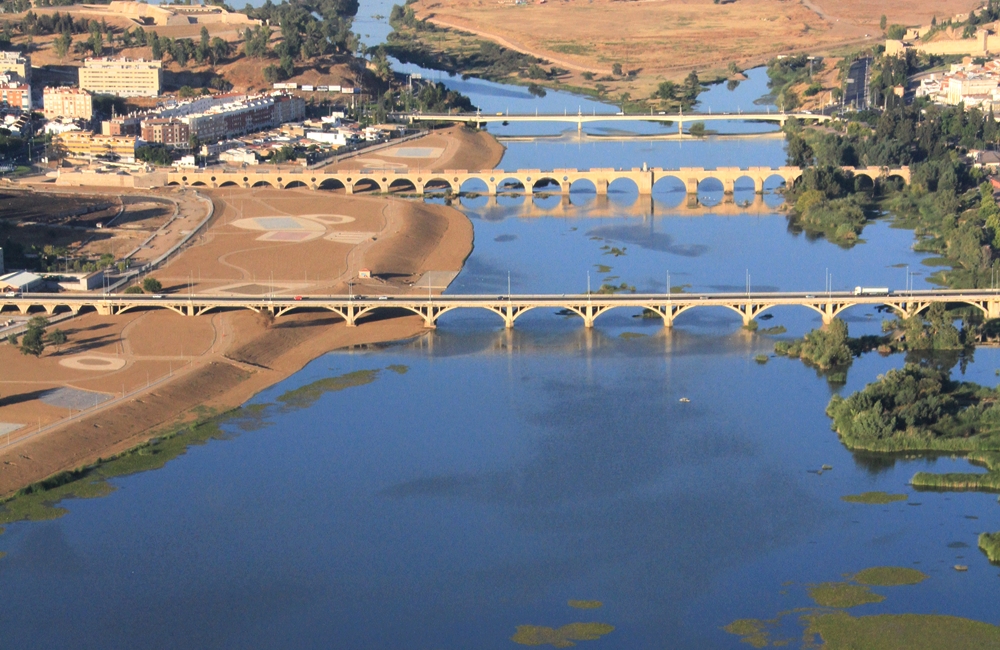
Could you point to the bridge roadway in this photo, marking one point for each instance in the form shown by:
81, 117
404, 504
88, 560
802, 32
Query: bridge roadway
580, 119
494, 180
508, 308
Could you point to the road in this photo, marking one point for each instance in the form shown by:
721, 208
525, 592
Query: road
856, 92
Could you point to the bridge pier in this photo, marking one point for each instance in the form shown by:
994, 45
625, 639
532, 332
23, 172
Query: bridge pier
728, 186
602, 186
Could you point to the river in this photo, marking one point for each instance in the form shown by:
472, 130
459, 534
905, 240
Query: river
474, 480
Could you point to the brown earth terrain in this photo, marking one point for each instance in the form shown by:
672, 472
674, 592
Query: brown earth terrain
455, 147
156, 370
666, 39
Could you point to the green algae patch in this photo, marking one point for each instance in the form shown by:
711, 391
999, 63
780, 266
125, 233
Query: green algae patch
889, 576
603, 268
40, 501
398, 368
753, 631
307, 395
841, 631
585, 604
874, 498
843, 595
989, 543
562, 637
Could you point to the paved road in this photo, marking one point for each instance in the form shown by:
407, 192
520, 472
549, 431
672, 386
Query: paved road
857, 84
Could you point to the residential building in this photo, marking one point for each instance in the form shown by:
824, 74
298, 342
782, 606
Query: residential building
171, 132
247, 116
72, 103
86, 145
14, 92
131, 125
16, 63
123, 77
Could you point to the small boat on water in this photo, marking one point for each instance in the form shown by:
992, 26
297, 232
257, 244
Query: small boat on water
685, 400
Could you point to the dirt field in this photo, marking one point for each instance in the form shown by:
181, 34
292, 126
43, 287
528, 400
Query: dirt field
454, 147
666, 39
196, 365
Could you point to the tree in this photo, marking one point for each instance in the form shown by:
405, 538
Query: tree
152, 285
58, 338
62, 44
882, 22
616, 69
33, 341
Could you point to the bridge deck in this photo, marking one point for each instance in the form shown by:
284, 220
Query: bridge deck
509, 308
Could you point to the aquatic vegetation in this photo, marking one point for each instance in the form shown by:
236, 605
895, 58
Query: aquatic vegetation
610, 289
761, 359
777, 329
617, 252
754, 631
843, 595
824, 348
562, 637
306, 396
585, 604
889, 576
874, 498
989, 543
751, 326
902, 632
603, 268
918, 408
398, 368
40, 500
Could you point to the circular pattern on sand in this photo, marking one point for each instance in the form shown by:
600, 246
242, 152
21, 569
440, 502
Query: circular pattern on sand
278, 224
81, 362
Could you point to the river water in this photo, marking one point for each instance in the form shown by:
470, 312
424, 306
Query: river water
475, 480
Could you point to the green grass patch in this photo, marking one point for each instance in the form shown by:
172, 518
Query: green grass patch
889, 576
585, 604
777, 329
843, 595
841, 631
874, 498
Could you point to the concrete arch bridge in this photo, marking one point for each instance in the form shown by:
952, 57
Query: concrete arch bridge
508, 308
491, 182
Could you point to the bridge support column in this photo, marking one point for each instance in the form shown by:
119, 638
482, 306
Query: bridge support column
692, 185
491, 189
348, 188
508, 317
993, 309
728, 186
588, 316
602, 186
564, 188
645, 183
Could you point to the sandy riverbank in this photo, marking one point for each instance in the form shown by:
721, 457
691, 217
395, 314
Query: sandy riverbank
197, 366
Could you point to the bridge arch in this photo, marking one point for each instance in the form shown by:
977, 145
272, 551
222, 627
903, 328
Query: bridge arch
474, 185
440, 184
366, 184
623, 185
510, 184
582, 186
864, 181
198, 184
229, 184
545, 183
404, 185
262, 184
331, 184
296, 183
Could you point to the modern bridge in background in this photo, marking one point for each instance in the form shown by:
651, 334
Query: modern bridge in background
509, 308
579, 118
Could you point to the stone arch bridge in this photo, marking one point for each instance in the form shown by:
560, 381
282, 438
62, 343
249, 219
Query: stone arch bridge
508, 308
491, 182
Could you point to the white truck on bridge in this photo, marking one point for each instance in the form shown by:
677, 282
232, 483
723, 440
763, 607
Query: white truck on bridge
871, 291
